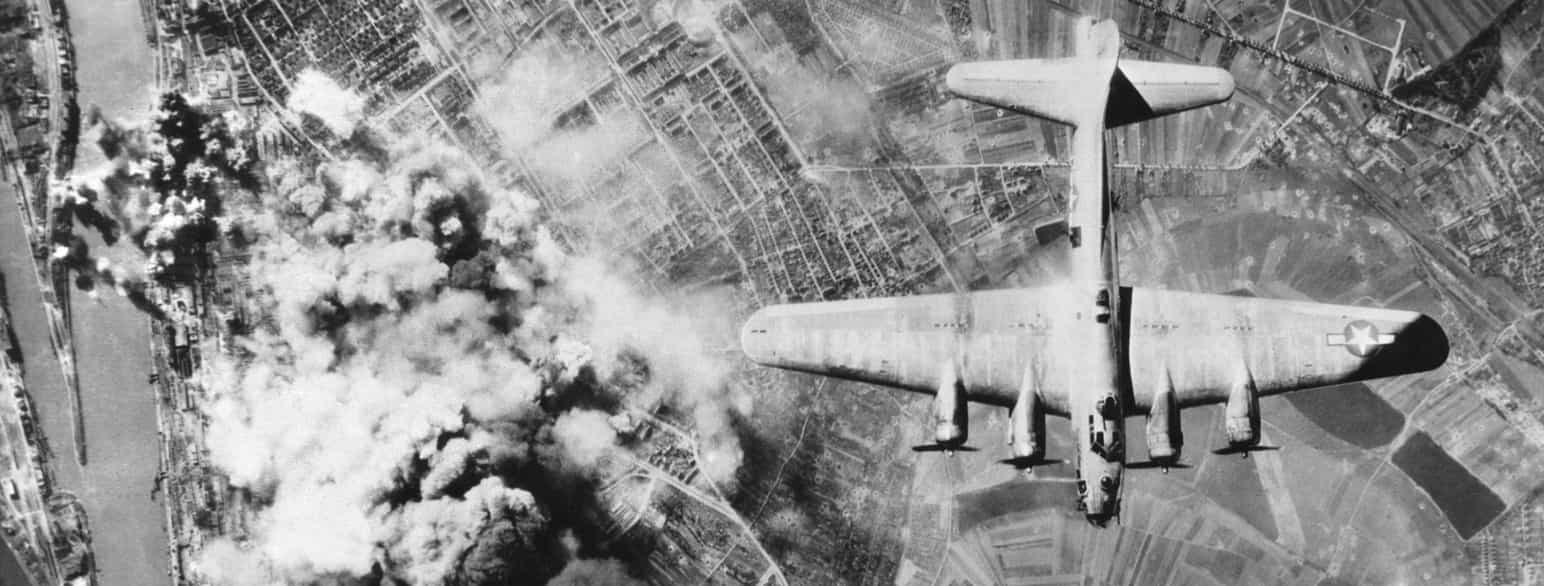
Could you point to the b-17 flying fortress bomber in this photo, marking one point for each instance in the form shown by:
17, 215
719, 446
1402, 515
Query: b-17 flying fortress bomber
1089, 348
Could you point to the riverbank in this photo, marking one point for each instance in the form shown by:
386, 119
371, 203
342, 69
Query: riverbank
116, 72
38, 135
117, 434
40, 375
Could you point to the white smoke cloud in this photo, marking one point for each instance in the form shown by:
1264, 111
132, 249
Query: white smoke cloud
827, 113
159, 179
447, 465
376, 366
318, 530
590, 572
585, 436
228, 564
698, 18
317, 94
524, 100
422, 326
619, 320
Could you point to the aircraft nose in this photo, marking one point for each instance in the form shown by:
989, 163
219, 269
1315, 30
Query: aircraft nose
954, 80
1093, 503
1098, 510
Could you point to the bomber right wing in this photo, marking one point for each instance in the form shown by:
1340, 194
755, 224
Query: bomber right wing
1203, 345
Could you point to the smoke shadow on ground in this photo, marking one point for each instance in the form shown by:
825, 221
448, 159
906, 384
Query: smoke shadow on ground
783, 502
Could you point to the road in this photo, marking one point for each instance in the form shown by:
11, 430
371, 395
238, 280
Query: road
712, 501
20, 457
55, 78
721, 507
59, 334
1494, 306
20, 469
56, 312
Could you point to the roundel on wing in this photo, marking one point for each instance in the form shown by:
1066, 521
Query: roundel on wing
1362, 339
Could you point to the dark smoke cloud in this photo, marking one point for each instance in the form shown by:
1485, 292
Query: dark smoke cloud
435, 387
162, 188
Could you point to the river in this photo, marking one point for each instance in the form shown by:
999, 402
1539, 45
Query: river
11, 573
115, 69
40, 371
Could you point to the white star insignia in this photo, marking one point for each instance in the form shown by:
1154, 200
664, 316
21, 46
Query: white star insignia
1359, 338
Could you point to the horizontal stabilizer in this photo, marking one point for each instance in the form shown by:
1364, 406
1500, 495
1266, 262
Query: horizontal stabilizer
1054, 89
1148, 465
1042, 88
941, 448
1224, 451
1143, 90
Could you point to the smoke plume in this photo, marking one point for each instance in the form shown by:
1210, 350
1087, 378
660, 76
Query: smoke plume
550, 83
433, 370
698, 18
162, 186
318, 95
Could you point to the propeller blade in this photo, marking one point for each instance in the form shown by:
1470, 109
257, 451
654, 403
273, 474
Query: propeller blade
1150, 465
1022, 463
942, 448
1244, 450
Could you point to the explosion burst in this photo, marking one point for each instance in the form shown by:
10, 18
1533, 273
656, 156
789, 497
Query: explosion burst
435, 383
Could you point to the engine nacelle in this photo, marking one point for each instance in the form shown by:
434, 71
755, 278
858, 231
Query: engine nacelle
949, 410
1165, 436
1026, 427
1242, 415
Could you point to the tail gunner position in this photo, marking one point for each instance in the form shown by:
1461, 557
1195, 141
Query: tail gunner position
1087, 348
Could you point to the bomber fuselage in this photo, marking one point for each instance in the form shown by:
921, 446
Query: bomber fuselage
1088, 338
